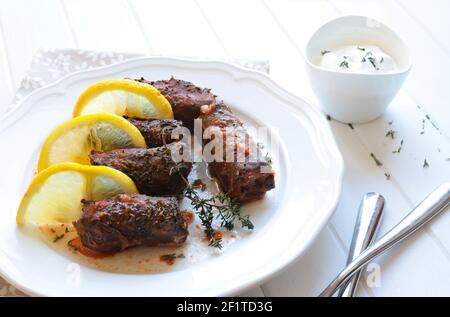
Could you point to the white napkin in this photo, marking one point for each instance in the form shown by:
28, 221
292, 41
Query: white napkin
49, 65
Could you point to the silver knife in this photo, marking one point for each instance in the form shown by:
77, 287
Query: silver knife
368, 220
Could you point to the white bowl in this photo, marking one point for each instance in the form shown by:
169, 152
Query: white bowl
355, 97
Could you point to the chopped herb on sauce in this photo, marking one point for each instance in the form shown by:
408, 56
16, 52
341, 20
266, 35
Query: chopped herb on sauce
344, 64
57, 238
171, 257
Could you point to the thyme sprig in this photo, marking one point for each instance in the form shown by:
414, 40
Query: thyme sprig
220, 207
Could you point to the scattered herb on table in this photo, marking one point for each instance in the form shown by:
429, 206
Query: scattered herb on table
388, 176
399, 148
377, 161
351, 126
391, 133
425, 164
391, 122
325, 52
329, 117
423, 127
361, 48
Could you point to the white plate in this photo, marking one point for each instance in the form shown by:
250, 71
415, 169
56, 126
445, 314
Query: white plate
309, 175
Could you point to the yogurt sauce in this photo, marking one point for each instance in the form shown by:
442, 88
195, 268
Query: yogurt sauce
365, 59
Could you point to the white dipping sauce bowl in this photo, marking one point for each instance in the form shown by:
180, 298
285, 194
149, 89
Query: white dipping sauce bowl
355, 97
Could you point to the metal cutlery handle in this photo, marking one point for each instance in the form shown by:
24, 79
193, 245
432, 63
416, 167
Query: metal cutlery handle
367, 222
431, 206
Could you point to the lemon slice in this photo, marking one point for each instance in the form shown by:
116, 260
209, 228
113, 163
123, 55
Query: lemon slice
74, 140
55, 194
124, 97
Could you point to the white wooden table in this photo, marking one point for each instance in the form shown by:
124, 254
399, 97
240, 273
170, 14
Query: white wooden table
278, 31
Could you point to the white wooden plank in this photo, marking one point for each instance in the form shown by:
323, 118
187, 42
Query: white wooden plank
309, 275
362, 176
433, 17
177, 27
105, 26
248, 31
6, 86
28, 26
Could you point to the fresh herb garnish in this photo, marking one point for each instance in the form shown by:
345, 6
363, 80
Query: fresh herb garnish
361, 48
219, 206
377, 161
425, 164
325, 52
344, 64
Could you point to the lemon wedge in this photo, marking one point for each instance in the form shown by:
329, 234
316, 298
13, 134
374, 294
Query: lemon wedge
74, 140
124, 97
55, 194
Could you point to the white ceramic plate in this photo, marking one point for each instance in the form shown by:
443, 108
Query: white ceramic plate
309, 171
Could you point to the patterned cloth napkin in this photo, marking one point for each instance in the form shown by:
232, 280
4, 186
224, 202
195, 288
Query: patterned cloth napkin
49, 65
